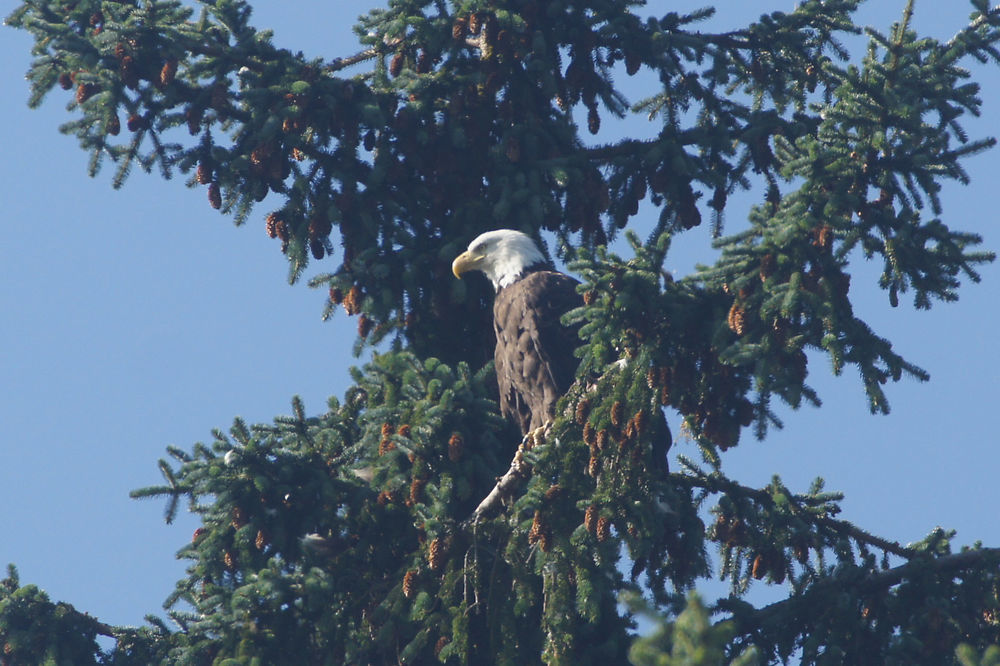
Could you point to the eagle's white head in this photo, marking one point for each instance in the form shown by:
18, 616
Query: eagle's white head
503, 255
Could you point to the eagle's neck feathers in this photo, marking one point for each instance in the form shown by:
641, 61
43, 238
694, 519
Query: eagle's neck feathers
509, 278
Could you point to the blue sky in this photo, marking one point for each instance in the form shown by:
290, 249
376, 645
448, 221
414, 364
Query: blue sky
139, 318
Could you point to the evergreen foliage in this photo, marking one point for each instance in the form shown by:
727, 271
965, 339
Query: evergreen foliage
359, 536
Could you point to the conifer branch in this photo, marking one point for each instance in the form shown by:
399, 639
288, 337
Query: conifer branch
99, 627
719, 484
622, 148
338, 64
799, 605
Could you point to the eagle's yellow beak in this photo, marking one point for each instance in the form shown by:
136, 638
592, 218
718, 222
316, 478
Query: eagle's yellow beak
465, 262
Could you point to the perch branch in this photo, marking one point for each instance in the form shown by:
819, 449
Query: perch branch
519, 471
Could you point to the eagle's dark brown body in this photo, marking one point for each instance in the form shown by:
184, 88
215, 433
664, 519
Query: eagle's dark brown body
535, 364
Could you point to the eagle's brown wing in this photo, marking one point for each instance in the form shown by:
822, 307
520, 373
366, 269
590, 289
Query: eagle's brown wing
535, 364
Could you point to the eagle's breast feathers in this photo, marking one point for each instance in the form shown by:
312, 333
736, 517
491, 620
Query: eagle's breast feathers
534, 352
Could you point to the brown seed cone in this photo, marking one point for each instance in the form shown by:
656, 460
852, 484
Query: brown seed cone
319, 225
384, 498
758, 569
744, 413
136, 122
602, 439
582, 410
396, 64
737, 318
424, 62
441, 642
417, 491
409, 582
537, 527
590, 518
589, 435
594, 465
114, 125
229, 560
476, 22
270, 223
281, 231
456, 447
688, 212
385, 446
262, 540
435, 554
630, 432
460, 28
317, 249
593, 120
823, 237
193, 117
387, 429
352, 301
365, 325
204, 175
603, 528
168, 72
617, 413
85, 91
404, 430
65, 80
589, 297
336, 295
767, 266
641, 420
632, 62
214, 196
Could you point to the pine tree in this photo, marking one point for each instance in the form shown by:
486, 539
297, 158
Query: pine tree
377, 532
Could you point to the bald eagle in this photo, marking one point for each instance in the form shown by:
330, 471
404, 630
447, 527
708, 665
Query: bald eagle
534, 357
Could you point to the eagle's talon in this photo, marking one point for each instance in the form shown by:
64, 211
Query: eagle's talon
534, 438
